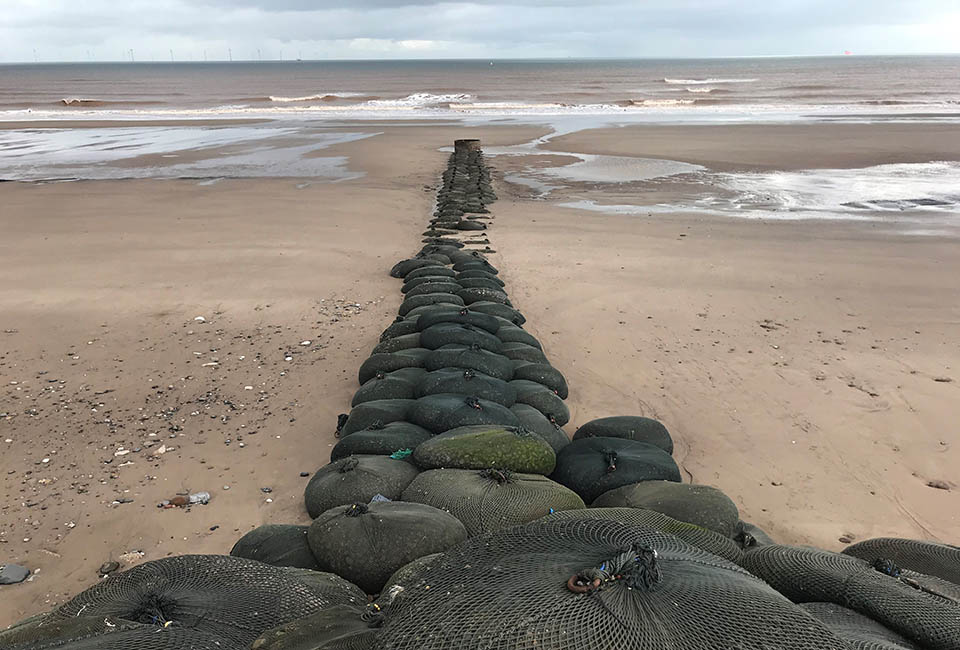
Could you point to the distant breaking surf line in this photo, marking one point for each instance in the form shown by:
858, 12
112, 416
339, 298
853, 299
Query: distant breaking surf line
700, 82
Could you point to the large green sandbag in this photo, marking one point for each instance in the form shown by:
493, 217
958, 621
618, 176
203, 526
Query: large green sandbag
491, 499
931, 558
592, 466
482, 446
467, 382
357, 479
471, 296
446, 411
628, 427
380, 440
367, 543
480, 283
702, 505
858, 631
412, 283
276, 544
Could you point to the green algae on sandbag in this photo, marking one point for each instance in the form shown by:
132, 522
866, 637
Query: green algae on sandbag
462, 315
411, 303
388, 362
702, 505
532, 419
276, 544
491, 499
381, 411
380, 440
341, 627
467, 382
542, 373
483, 446
441, 334
357, 479
367, 543
931, 558
692, 534
628, 427
592, 466
445, 411
472, 358
543, 399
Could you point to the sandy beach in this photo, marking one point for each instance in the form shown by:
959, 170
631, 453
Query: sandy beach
810, 369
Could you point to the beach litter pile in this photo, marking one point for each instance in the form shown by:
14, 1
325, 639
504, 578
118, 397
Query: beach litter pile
456, 512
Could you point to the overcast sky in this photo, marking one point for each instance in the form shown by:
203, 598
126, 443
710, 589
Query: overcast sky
72, 30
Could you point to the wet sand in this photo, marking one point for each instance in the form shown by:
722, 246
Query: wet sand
801, 366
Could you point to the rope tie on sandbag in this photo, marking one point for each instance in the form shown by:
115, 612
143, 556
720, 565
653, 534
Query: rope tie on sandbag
341, 422
473, 402
890, 568
469, 374
636, 566
610, 458
375, 614
464, 311
348, 464
501, 476
380, 375
356, 510
377, 425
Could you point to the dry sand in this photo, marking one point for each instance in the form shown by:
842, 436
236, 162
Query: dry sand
797, 364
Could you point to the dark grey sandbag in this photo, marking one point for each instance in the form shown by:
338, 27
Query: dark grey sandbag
702, 505
476, 264
399, 384
432, 271
389, 362
524, 352
400, 269
515, 334
433, 287
543, 399
380, 440
477, 274
441, 334
532, 419
856, 630
397, 343
412, 572
592, 466
357, 479
471, 296
463, 315
470, 225
439, 257
446, 411
545, 374
480, 283
628, 427
474, 358
341, 627
276, 544
931, 558
232, 598
749, 536
366, 544
694, 535
400, 327
594, 585
482, 446
491, 499
106, 633
412, 283
498, 309
381, 411
810, 575
413, 302
467, 382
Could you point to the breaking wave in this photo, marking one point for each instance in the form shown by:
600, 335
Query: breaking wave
323, 97
700, 82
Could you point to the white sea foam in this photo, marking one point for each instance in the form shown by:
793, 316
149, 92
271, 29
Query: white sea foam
700, 89
663, 102
315, 97
420, 99
698, 82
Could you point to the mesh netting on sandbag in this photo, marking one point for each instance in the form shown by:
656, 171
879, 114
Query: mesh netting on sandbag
380, 440
366, 544
593, 585
467, 382
446, 411
628, 427
702, 505
482, 446
750, 536
702, 538
931, 558
592, 466
336, 628
811, 575
509, 333
357, 479
856, 630
412, 283
480, 283
276, 544
492, 499
108, 633
230, 598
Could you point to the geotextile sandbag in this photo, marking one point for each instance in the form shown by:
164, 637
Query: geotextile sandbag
445, 411
749, 536
475, 264
341, 627
491, 499
462, 315
931, 558
388, 362
473, 358
542, 373
440, 334
401, 268
483, 446
367, 543
399, 384
357, 479
276, 544
433, 287
431, 271
702, 505
381, 411
479, 283
856, 630
478, 274
412, 302
467, 382
592, 466
515, 334
411, 283
397, 343
543, 399
497, 309
380, 440
524, 352
532, 419
470, 296
628, 427
400, 327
